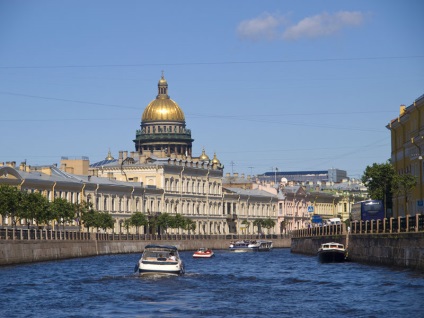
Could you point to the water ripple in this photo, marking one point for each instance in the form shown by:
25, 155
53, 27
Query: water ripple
275, 284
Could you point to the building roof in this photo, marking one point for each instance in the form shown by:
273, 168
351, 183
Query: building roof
102, 163
254, 192
406, 110
58, 175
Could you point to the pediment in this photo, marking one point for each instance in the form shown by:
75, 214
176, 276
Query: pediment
301, 191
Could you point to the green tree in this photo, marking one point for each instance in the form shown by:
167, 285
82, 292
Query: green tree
80, 209
178, 222
165, 220
268, 223
189, 225
258, 223
105, 221
153, 223
63, 211
127, 224
90, 219
402, 185
137, 219
35, 206
12, 203
378, 178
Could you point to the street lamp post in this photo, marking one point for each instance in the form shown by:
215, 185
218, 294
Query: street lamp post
420, 162
275, 177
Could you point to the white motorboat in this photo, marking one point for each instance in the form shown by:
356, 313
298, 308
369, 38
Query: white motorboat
160, 259
332, 253
251, 246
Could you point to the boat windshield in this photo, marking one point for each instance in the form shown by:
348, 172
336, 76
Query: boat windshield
332, 246
156, 254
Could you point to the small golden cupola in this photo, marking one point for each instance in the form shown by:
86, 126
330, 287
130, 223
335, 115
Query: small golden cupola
204, 156
109, 156
215, 159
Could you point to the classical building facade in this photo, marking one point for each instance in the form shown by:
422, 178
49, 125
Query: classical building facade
161, 176
407, 153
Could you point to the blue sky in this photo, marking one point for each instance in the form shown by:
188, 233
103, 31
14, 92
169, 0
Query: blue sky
297, 85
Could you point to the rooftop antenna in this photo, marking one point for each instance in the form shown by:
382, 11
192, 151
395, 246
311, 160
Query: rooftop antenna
251, 170
232, 166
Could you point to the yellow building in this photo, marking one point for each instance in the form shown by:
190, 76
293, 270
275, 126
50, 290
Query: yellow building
407, 143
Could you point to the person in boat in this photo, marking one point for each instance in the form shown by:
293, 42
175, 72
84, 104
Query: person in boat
172, 257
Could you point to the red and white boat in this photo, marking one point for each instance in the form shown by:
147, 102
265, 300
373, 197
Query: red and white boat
203, 253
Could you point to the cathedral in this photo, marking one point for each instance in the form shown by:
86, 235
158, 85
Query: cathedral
162, 175
191, 185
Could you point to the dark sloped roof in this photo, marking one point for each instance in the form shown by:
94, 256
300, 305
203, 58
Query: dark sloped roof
103, 163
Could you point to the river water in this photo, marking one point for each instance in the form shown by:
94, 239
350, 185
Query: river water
268, 284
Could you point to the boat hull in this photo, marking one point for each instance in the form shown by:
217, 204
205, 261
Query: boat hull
332, 252
331, 256
198, 255
203, 253
174, 268
242, 249
251, 246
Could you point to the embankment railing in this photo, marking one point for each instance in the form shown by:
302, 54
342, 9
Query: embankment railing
406, 224
11, 233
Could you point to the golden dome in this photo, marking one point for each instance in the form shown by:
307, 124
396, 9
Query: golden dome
109, 156
204, 156
215, 159
163, 108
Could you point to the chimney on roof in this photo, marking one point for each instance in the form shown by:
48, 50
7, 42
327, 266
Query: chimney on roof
121, 153
11, 164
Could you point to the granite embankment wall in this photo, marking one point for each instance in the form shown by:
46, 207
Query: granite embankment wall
23, 251
398, 249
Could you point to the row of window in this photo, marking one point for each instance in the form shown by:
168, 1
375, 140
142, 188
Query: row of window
192, 186
115, 203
